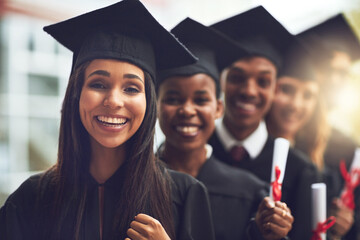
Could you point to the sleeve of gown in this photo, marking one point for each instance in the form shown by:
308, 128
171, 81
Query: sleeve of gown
11, 223
197, 221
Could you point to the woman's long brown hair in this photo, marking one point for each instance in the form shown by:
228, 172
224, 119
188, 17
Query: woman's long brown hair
146, 186
312, 138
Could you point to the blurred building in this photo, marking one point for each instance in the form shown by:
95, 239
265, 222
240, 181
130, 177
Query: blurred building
34, 71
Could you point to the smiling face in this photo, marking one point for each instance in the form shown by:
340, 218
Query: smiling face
249, 88
112, 102
188, 109
293, 106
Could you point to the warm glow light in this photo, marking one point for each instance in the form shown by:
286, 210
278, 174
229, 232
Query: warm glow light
348, 100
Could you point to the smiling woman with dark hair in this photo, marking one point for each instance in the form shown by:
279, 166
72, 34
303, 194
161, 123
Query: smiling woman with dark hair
107, 182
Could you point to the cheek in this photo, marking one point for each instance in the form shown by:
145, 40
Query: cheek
166, 114
139, 106
310, 107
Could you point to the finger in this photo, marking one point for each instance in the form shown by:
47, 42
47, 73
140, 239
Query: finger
139, 227
280, 217
266, 203
279, 231
134, 235
143, 218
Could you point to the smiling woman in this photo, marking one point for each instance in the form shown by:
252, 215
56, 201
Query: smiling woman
107, 182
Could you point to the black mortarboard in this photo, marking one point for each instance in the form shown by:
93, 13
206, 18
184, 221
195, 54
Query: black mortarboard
214, 50
298, 62
258, 32
334, 33
125, 31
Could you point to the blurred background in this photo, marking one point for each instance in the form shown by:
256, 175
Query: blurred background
34, 69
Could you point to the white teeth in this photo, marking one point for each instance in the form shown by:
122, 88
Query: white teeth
187, 129
111, 120
246, 106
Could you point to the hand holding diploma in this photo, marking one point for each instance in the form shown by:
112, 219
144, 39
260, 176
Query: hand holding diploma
273, 219
281, 150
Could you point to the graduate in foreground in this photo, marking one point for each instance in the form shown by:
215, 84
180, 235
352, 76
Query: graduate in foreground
107, 183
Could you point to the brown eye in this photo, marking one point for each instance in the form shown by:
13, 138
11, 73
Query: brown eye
263, 82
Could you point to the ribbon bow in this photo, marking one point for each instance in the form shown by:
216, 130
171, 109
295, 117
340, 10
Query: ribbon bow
347, 197
276, 186
322, 227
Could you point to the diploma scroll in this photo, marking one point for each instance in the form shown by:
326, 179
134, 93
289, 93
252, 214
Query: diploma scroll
352, 180
318, 202
281, 150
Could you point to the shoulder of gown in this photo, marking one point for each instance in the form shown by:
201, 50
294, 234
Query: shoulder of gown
191, 208
220, 178
17, 216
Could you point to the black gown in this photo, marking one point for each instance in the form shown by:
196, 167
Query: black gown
19, 220
340, 147
296, 188
234, 195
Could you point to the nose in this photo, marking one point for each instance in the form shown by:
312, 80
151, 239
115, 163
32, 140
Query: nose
114, 99
187, 109
297, 101
249, 89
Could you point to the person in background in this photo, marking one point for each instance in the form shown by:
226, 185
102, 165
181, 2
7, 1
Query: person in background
298, 114
334, 47
249, 88
189, 104
107, 182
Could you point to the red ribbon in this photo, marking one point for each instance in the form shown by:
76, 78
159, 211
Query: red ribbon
322, 227
347, 196
276, 186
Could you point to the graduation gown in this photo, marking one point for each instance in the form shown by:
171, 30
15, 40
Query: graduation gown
234, 195
340, 147
19, 220
296, 188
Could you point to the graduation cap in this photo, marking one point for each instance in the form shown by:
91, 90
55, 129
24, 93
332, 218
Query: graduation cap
333, 34
298, 62
125, 31
258, 32
214, 50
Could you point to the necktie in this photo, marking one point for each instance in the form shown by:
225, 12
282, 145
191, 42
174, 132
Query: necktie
238, 153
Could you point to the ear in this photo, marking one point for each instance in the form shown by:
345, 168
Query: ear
223, 76
219, 108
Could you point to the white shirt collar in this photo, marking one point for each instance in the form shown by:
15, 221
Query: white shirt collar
253, 143
209, 150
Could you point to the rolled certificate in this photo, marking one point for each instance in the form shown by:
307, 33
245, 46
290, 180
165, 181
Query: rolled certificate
318, 197
352, 180
281, 150
356, 161
320, 224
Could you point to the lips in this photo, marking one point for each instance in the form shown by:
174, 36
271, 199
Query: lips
111, 121
250, 107
187, 130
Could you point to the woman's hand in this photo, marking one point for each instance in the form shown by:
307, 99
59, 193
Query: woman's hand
274, 219
344, 218
145, 227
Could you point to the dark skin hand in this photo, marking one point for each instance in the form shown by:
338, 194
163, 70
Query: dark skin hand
144, 227
274, 219
344, 218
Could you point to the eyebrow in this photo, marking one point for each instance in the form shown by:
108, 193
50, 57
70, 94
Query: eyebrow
169, 92
100, 72
107, 74
201, 92
240, 70
132, 76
